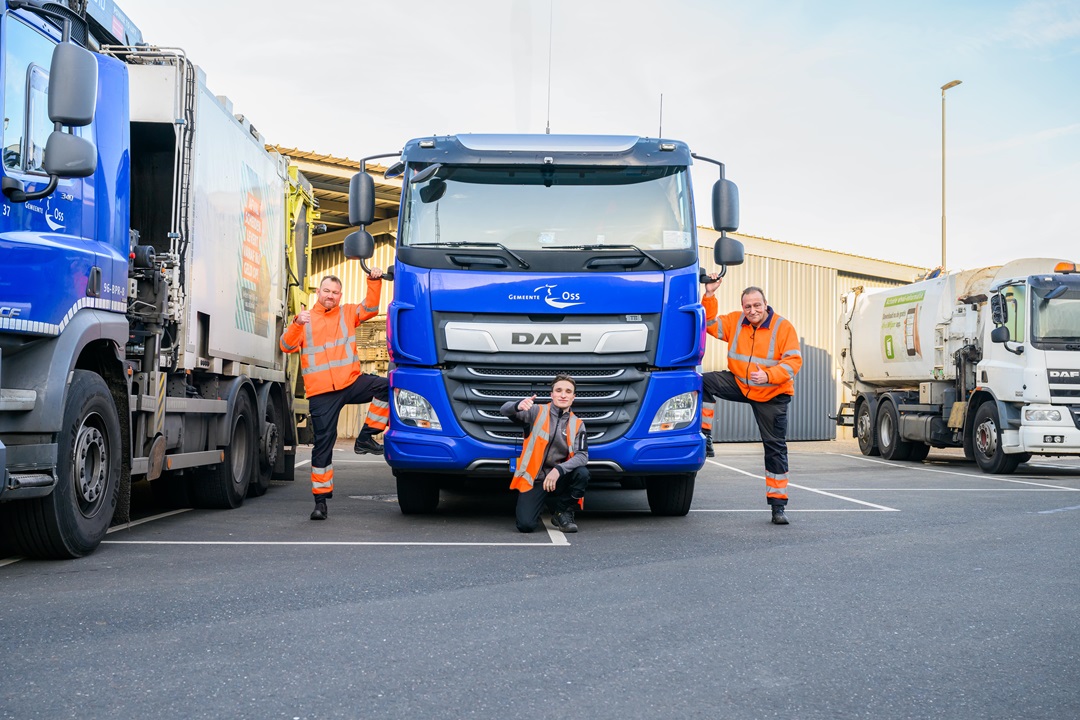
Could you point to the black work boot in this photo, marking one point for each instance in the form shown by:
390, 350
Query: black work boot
319, 513
366, 445
709, 452
564, 521
778, 516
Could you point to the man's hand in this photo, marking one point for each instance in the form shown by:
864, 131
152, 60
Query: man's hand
710, 287
375, 273
527, 403
551, 479
303, 317
759, 376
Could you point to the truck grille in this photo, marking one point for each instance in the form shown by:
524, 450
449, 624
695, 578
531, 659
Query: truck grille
1075, 410
607, 398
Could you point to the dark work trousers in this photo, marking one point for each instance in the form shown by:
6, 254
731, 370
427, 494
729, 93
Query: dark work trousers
771, 416
568, 490
325, 409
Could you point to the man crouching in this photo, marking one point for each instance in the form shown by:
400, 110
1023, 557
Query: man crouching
556, 449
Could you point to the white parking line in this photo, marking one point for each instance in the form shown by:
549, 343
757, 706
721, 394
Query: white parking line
800, 510
808, 489
345, 543
1057, 510
923, 468
911, 489
133, 523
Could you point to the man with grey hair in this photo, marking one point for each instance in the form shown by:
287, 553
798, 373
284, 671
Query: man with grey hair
763, 359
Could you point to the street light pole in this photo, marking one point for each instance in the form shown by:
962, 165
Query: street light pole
944, 87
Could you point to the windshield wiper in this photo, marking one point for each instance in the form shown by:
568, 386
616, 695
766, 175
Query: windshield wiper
475, 243
659, 264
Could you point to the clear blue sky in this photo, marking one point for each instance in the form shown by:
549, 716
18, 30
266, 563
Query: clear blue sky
828, 114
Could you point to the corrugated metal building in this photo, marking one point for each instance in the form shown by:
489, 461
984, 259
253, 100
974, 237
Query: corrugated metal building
803, 284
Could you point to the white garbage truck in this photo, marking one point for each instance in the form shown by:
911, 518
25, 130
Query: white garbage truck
987, 360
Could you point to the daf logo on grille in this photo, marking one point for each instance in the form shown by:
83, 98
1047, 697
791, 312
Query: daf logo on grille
524, 338
1064, 376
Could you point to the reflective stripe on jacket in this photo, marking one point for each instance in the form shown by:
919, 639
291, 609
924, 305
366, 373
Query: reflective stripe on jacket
773, 346
327, 344
531, 461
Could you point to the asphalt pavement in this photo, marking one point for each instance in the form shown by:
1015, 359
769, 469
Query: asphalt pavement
899, 590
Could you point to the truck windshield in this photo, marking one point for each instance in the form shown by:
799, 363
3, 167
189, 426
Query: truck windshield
1055, 313
543, 208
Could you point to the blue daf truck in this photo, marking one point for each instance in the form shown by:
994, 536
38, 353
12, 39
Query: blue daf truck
519, 257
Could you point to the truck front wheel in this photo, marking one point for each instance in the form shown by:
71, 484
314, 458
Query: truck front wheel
892, 446
986, 442
864, 430
224, 485
670, 495
418, 494
72, 520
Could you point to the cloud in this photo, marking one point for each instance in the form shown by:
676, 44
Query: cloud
1034, 138
1041, 23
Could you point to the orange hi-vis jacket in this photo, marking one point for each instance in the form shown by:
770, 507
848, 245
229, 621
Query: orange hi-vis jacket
531, 461
327, 344
773, 346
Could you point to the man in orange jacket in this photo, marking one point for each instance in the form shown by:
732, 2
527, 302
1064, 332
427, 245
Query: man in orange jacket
763, 359
554, 456
325, 337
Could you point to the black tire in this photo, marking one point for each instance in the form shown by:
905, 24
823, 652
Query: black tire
986, 442
172, 490
891, 445
865, 432
919, 451
72, 520
224, 486
271, 448
670, 495
418, 494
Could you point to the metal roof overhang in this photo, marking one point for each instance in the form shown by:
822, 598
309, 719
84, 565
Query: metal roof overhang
329, 177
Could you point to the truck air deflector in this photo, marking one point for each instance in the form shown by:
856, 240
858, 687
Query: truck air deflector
592, 151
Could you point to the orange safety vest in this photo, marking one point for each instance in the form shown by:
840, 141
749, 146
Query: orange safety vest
773, 346
327, 344
531, 460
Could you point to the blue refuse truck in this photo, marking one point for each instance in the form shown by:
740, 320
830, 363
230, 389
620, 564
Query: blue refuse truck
144, 275
519, 257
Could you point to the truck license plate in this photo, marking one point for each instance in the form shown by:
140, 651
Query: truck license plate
1053, 438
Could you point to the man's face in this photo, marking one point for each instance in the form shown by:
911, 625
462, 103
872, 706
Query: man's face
753, 306
562, 394
329, 294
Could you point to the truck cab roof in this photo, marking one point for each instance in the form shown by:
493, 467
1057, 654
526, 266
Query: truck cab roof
509, 149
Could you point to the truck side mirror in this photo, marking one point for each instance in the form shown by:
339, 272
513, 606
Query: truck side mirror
725, 205
999, 313
999, 334
68, 156
728, 251
361, 200
72, 85
359, 245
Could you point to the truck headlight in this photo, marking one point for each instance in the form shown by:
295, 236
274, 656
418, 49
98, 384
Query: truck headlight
414, 410
1035, 415
676, 413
